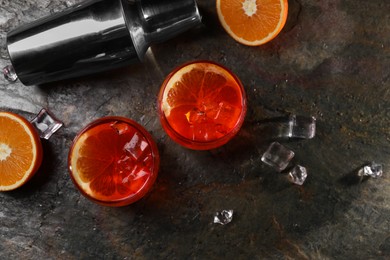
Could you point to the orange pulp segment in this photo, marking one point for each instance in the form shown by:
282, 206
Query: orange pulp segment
252, 22
20, 151
202, 105
113, 161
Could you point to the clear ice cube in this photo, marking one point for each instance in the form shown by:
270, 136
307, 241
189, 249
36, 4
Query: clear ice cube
277, 156
9, 73
297, 174
224, 217
136, 146
374, 170
301, 127
293, 126
46, 124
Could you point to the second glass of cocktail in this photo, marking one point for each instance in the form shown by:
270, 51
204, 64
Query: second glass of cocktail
113, 161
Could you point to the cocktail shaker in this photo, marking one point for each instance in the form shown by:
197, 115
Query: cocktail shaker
94, 36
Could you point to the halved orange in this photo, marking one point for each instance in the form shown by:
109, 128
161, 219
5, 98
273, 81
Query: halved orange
114, 161
202, 105
252, 22
20, 151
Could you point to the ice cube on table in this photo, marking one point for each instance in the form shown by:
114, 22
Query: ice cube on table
293, 126
277, 156
46, 124
297, 175
302, 127
224, 217
9, 73
373, 170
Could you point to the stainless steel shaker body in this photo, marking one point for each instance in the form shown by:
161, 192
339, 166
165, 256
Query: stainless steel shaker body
95, 36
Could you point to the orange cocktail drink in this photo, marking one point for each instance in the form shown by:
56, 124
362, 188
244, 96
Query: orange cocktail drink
202, 105
114, 161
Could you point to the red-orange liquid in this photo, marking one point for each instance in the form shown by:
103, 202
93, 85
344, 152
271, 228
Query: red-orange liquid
207, 106
117, 160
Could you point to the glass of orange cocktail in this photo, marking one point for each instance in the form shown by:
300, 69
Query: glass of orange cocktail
202, 105
113, 161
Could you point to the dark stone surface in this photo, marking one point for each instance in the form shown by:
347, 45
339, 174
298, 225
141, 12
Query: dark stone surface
331, 61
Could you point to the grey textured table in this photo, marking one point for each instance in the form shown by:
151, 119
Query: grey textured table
331, 61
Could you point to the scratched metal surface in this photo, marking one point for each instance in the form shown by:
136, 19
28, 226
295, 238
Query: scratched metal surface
332, 61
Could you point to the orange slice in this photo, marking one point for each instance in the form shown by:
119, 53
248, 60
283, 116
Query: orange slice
114, 161
202, 105
20, 151
252, 22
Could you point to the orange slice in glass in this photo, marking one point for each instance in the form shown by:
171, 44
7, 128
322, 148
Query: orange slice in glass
114, 161
252, 22
20, 151
202, 105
